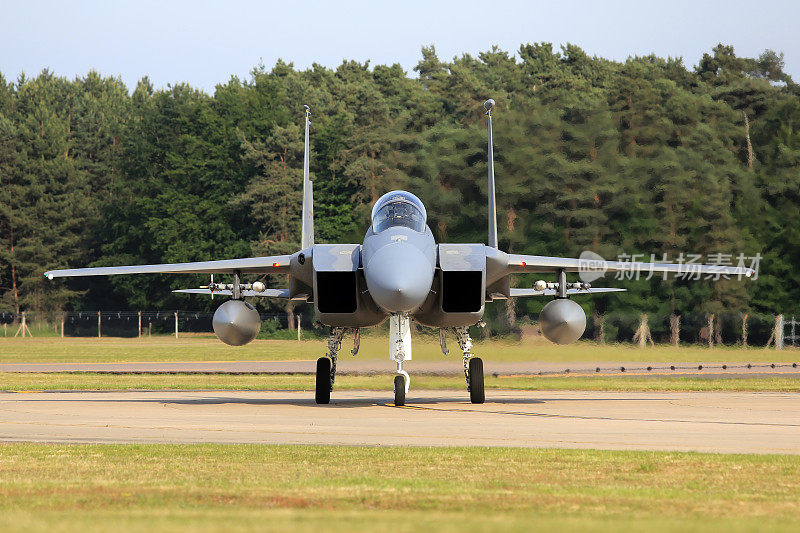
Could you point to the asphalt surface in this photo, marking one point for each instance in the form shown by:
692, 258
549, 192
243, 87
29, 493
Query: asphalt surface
726, 422
451, 366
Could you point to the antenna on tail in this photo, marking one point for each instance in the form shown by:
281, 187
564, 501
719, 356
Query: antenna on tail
489, 104
307, 225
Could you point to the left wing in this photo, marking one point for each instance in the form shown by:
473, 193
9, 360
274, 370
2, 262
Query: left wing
272, 264
520, 264
267, 293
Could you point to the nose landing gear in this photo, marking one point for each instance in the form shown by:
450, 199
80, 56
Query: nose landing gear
400, 351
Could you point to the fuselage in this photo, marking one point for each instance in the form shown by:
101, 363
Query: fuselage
399, 253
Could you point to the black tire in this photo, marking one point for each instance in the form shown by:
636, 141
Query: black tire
399, 391
476, 392
323, 390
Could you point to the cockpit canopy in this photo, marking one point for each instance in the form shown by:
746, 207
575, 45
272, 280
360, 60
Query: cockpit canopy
398, 208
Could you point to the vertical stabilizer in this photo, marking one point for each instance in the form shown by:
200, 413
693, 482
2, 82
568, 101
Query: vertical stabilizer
307, 227
489, 104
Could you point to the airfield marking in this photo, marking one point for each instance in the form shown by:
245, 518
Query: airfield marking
551, 415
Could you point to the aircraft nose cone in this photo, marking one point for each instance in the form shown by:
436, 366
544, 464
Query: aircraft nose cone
399, 277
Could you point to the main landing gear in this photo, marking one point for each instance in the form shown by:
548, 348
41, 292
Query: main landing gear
400, 352
326, 366
473, 366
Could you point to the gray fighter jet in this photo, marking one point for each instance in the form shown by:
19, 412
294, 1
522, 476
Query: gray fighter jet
399, 272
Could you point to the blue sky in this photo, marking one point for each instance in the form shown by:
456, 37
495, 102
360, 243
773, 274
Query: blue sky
204, 43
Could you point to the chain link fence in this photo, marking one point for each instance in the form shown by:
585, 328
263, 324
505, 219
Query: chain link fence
132, 323
730, 329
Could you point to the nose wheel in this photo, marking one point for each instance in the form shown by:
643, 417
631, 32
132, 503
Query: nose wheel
399, 390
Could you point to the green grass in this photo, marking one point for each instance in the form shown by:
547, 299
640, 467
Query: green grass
327, 488
91, 381
426, 348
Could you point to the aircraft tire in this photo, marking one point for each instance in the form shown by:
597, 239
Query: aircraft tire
399, 391
323, 390
476, 391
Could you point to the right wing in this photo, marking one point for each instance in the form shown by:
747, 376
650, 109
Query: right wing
519, 264
517, 292
273, 264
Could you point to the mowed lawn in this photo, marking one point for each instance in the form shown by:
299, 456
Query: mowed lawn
374, 346
328, 488
92, 381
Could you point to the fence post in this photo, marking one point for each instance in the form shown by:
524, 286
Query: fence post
779, 333
23, 327
642, 334
711, 330
63, 321
600, 324
675, 329
298, 327
176, 324
140, 324
99, 334
744, 331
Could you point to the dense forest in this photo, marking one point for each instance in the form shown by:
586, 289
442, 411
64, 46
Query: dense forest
644, 156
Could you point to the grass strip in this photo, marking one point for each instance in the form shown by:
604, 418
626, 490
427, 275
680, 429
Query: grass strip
11, 381
333, 488
373, 346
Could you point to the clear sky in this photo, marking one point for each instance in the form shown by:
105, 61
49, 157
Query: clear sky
204, 42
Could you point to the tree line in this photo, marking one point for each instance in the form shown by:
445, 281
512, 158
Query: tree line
644, 156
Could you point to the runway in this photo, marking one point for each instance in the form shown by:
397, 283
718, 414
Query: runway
746, 422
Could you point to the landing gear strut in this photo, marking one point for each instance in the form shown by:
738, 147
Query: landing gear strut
473, 366
400, 351
326, 367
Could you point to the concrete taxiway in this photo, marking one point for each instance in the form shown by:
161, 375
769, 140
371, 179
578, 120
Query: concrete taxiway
750, 422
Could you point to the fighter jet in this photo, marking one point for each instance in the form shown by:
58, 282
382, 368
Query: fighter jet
400, 273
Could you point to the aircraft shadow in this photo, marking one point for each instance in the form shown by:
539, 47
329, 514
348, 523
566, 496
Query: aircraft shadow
300, 401
163, 397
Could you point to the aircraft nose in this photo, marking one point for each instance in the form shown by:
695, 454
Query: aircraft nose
399, 277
